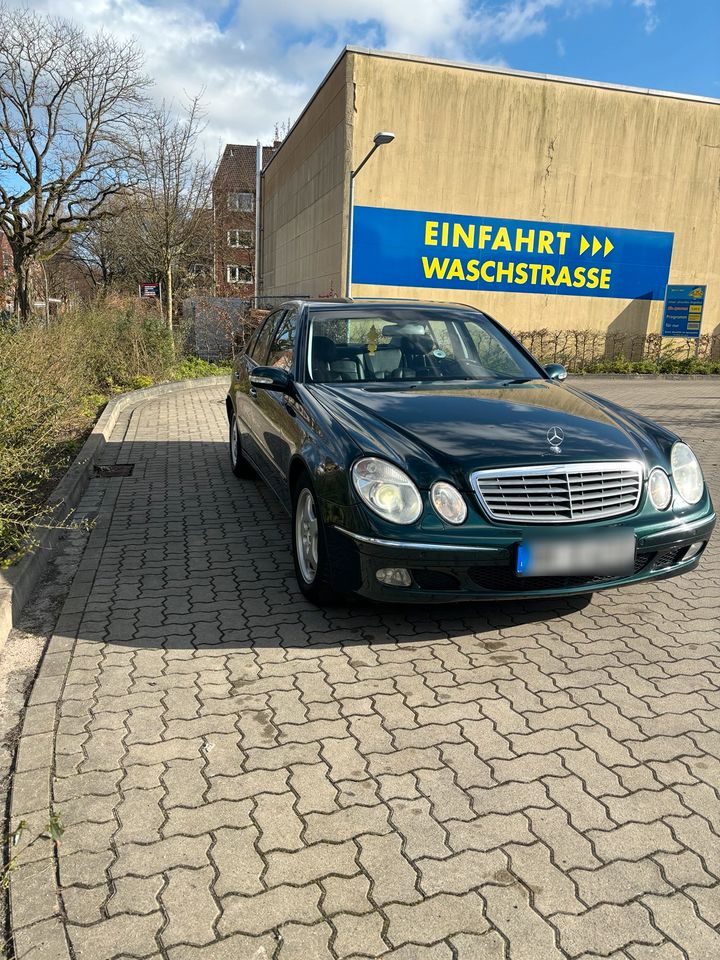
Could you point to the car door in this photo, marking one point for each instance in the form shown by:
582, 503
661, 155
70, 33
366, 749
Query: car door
246, 396
279, 431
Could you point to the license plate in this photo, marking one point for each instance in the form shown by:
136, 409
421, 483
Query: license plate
610, 554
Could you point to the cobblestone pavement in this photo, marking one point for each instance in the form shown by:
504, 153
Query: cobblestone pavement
245, 777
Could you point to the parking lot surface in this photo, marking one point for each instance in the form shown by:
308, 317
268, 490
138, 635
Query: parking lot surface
242, 776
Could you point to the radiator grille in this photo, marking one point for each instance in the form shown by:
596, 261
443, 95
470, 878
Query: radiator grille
567, 493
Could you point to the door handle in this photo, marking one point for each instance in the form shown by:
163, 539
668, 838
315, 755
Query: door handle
290, 409
253, 393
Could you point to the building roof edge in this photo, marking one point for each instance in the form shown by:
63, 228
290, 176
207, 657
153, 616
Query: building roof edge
508, 71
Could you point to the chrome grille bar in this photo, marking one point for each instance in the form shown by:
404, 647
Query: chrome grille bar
565, 493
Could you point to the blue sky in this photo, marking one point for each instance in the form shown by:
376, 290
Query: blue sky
258, 61
669, 45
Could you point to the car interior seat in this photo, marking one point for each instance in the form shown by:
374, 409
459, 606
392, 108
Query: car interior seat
385, 363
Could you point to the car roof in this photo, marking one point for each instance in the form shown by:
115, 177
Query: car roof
375, 302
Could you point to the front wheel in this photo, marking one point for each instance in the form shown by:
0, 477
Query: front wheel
240, 466
309, 548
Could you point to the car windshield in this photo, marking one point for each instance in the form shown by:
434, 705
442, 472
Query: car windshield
411, 344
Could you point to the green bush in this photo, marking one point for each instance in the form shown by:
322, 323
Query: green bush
667, 364
54, 382
193, 368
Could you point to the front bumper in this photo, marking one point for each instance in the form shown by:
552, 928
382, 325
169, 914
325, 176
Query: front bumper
447, 572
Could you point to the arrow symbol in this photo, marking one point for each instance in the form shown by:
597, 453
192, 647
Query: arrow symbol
584, 245
596, 245
608, 246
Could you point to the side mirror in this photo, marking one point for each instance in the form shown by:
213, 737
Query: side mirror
556, 371
271, 378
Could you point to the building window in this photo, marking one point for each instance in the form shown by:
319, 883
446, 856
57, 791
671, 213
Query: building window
236, 274
240, 238
243, 201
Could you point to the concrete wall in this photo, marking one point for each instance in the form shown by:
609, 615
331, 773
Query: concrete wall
303, 197
498, 145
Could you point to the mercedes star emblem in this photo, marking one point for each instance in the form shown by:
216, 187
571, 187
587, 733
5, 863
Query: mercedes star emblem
555, 437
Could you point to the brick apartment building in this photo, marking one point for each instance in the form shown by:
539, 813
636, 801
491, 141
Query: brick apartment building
233, 194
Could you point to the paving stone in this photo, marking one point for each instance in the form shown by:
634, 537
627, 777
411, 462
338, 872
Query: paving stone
422, 834
460, 872
311, 863
346, 894
435, 918
393, 878
606, 928
676, 917
620, 881
143, 860
136, 895
239, 865
299, 942
316, 793
268, 910
346, 824
280, 827
358, 936
122, 933
485, 946
633, 841
552, 890
190, 906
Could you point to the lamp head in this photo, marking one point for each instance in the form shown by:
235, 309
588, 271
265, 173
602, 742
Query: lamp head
383, 137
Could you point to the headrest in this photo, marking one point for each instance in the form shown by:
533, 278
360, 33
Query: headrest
323, 349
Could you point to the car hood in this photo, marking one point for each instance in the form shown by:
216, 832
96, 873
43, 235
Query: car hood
461, 428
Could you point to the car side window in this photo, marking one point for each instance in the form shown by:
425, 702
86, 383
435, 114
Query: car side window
281, 348
491, 353
259, 348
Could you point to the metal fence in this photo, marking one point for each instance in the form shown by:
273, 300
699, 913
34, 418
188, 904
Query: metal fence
217, 328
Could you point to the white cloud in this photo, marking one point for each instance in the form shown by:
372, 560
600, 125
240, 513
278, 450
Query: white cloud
262, 64
651, 16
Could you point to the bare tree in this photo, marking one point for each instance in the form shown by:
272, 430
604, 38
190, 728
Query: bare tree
66, 102
169, 212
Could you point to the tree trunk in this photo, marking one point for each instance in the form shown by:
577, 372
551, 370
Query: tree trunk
23, 286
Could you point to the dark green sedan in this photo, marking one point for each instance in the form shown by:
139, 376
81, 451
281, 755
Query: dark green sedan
424, 455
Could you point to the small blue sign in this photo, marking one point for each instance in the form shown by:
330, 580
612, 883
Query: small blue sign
412, 248
682, 314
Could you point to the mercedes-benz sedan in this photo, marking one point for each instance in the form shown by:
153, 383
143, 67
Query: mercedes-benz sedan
425, 455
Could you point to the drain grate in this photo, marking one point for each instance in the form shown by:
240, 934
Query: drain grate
114, 470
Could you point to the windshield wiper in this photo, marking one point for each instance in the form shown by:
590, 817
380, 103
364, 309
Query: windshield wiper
505, 383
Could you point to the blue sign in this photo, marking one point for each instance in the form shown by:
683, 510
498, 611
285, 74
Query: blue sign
411, 248
682, 315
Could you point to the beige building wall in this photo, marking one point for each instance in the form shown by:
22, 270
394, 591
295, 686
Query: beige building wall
487, 143
303, 198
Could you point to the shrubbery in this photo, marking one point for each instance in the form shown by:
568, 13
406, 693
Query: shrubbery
665, 365
54, 382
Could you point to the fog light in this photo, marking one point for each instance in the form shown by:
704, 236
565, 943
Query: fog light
394, 576
659, 489
694, 549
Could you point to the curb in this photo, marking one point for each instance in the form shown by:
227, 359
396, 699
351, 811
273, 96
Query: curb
18, 582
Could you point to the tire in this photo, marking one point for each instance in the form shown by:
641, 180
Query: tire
239, 465
309, 546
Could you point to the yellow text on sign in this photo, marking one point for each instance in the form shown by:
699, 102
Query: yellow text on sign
485, 237
517, 274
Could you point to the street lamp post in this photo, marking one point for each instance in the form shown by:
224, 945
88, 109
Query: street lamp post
378, 140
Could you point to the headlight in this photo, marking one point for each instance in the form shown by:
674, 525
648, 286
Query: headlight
686, 473
387, 490
448, 502
659, 489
